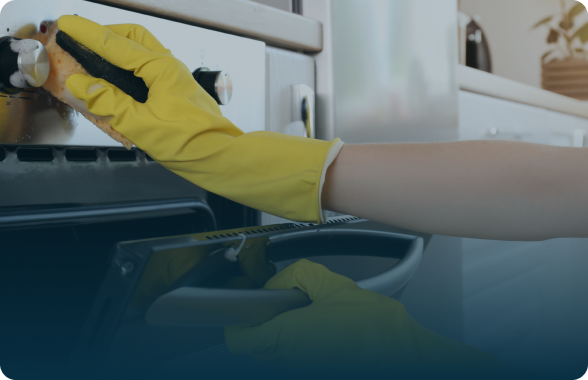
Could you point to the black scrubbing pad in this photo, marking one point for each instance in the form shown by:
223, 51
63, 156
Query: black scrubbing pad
98, 67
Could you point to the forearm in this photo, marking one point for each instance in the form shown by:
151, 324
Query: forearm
480, 189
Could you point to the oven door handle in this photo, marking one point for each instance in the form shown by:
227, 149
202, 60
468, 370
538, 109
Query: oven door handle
194, 307
198, 307
392, 280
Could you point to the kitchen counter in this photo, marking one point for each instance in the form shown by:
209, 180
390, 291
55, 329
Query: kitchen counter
483, 83
240, 17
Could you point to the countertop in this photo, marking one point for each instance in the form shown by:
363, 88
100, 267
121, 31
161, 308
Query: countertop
483, 83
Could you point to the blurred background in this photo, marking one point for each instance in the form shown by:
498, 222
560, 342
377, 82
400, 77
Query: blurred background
520, 33
514, 45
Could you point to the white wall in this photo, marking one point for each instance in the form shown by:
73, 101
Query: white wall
516, 49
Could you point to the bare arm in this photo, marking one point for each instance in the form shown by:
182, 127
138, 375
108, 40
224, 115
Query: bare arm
481, 189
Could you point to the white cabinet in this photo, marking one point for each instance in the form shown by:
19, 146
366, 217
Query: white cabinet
483, 117
525, 301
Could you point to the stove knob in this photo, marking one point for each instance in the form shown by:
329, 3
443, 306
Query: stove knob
23, 63
218, 84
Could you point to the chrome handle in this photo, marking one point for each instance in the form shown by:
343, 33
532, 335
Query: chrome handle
392, 280
579, 138
222, 307
194, 307
495, 132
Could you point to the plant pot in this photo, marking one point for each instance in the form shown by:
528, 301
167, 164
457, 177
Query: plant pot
568, 77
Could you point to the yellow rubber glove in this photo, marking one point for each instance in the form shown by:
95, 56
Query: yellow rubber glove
182, 127
350, 331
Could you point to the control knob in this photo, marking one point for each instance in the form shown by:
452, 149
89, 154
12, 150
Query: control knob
218, 84
23, 63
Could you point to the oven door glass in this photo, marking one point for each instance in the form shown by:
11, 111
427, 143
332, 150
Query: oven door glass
164, 303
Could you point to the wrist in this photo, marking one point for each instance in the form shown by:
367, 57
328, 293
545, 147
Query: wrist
331, 156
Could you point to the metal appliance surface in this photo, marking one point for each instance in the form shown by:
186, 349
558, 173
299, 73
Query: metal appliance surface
70, 193
290, 78
34, 117
387, 72
24, 63
49, 155
183, 289
193, 306
71, 164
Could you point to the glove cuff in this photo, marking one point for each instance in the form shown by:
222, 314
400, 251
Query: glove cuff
331, 156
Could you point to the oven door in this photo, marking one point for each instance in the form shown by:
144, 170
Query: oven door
163, 305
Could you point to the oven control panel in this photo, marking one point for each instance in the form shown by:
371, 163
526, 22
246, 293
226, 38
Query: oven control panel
230, 68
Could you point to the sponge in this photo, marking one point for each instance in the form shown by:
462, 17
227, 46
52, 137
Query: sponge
67, 57
98, 67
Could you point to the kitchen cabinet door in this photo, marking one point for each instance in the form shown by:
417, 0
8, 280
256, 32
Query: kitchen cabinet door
525, 301
483, 117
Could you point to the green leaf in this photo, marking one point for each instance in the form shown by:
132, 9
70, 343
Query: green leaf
566, 26
553, 36
544, 21
582, 34
576, 10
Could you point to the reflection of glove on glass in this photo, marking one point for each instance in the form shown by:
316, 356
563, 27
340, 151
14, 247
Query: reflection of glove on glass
352, 331
182, 127
162, 270
165, 267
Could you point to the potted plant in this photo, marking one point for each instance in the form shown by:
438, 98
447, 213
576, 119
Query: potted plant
565, 66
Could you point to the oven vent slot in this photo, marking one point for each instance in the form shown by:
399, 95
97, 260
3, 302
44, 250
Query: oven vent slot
122, 155
81, 154
36, 154
2, 154
259, 230
342, 219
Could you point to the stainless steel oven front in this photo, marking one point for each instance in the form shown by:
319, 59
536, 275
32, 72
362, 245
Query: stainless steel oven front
48, 151
82, 220
36, 118
69, 193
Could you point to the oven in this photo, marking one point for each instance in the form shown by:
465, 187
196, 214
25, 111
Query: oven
70, 192
83, 222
